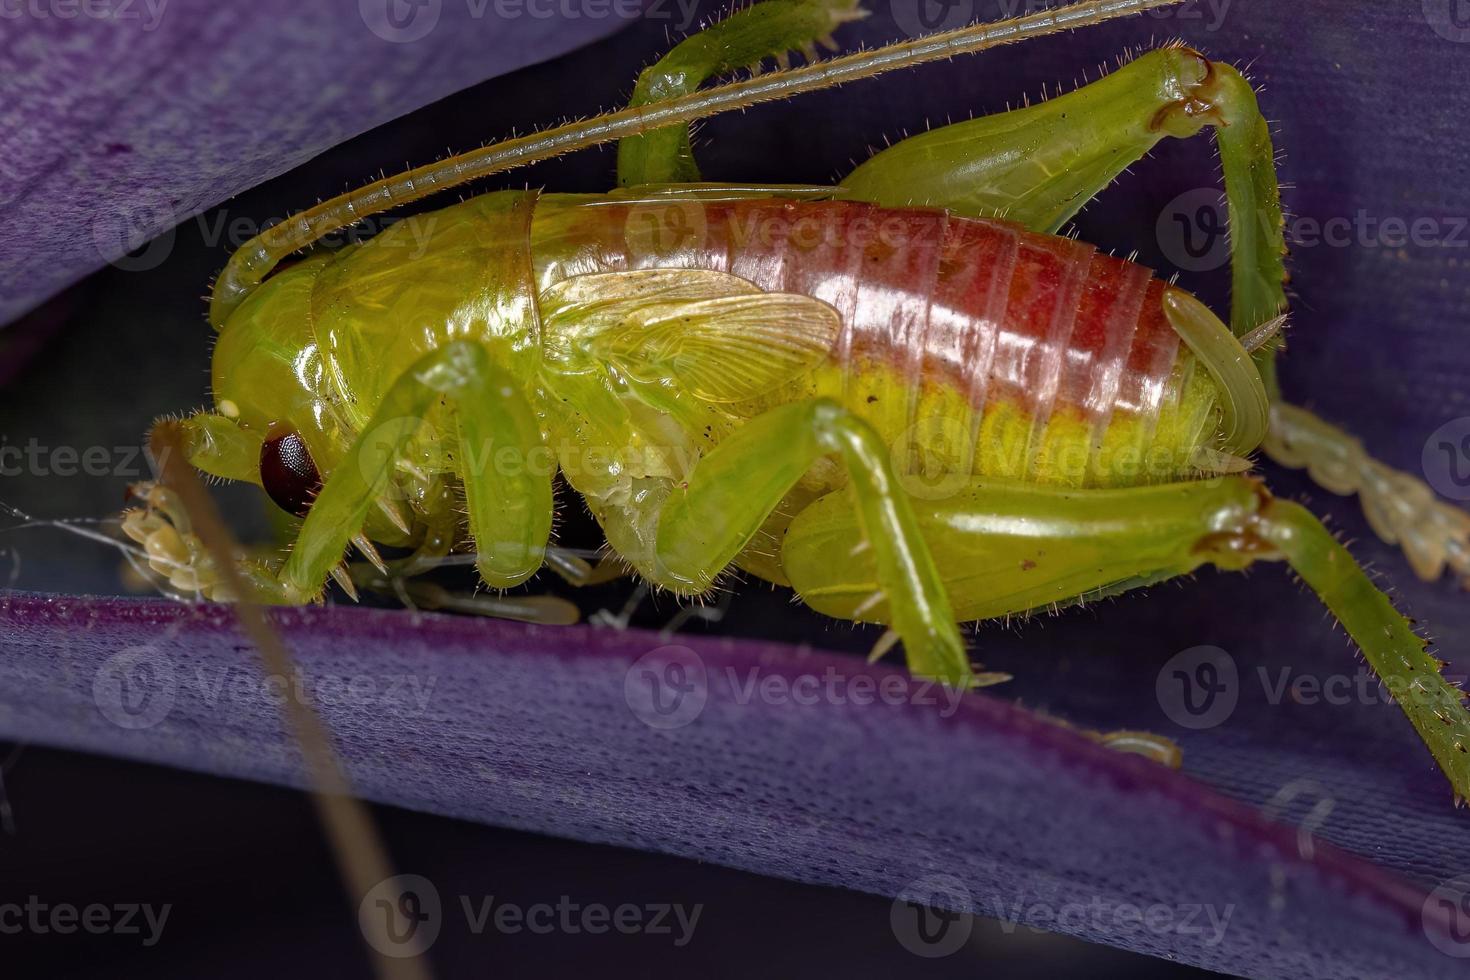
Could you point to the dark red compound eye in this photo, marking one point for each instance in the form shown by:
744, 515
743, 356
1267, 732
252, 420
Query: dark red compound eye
288, 474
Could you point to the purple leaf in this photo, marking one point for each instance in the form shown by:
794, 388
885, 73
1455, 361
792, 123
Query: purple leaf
122, 119
781, 760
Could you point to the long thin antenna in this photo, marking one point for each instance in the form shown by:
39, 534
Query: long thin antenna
361, 857
257, 257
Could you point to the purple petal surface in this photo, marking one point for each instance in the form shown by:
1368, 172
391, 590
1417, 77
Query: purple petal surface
727, 752
121, 119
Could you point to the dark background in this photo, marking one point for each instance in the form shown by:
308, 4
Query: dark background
245, 866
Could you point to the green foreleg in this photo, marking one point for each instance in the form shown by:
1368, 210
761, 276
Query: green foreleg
507, 471
491, 411
766, 30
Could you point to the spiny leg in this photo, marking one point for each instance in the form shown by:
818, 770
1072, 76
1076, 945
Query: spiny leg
509, 505
1003, 549
704, 525
769, 29
1396, 653
508, 493
436, 531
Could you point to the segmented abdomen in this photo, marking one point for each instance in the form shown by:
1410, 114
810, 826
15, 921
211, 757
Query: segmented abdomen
974, 345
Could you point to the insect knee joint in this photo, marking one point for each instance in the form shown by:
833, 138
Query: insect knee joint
1240, 535
1211, 94
831, 423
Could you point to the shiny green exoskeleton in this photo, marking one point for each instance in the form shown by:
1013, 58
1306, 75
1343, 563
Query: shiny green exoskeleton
451, 367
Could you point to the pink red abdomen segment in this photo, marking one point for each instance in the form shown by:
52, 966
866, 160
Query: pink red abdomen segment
984, 307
